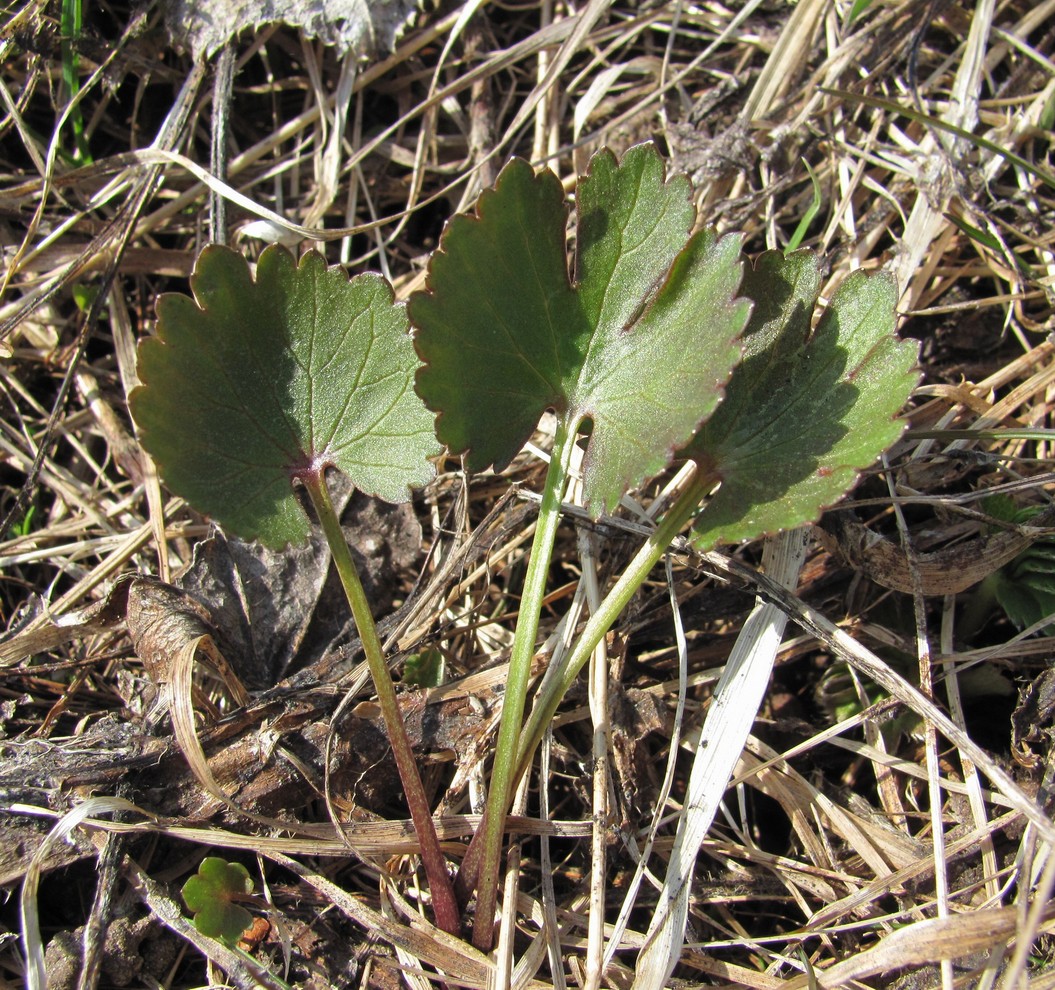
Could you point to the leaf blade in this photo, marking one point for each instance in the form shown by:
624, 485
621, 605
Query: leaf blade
255, 382
210, 894
632, 222
804, 413
504, 364
644, 384
608, 348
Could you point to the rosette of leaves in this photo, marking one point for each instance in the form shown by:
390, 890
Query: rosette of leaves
633, 342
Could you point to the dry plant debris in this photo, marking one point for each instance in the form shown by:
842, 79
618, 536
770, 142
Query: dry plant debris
889, 821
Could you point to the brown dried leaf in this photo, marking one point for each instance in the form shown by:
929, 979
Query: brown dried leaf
1032, 719
947, 571
261, 600
274, 610
164, 623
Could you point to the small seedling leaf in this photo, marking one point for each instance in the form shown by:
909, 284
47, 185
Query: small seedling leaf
425, 669
804, 412
254, 383
640, 344
1024, 588
210, 895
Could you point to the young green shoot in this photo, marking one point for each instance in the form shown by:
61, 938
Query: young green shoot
214, 895
803, 414
71, 25
654, 339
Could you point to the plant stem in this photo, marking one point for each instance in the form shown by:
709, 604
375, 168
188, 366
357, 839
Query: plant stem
500, 786
600, 622
444, 903
609, 610
71, 26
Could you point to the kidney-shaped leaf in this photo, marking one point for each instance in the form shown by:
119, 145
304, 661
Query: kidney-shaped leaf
211, 894
640, 344
254, 383
803, 414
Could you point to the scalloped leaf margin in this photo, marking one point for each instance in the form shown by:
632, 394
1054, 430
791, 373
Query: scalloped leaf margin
640, 344
256, 382
804, 412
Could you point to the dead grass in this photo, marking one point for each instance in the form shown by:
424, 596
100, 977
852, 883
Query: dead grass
872, 837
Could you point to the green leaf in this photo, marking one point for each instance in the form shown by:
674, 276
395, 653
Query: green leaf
804, 413
426, 669
811, 211
84, 295
994, 244
1024, 588
209, 895
859, 7
1000, 507
1024, 601
639, 345
254, 383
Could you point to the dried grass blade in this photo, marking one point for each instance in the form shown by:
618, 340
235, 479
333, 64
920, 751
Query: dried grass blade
791, 51
929, 941
847, 648
183, 728
859, 900
623, 919
32, 944
584, 23
458, 960
722, 738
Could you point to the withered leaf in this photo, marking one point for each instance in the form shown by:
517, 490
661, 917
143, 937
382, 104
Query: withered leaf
361, 28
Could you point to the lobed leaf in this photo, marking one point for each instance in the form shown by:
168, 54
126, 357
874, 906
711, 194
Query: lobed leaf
804, 412
640, 344
1024, 588
210, 894
499, 323
255, 382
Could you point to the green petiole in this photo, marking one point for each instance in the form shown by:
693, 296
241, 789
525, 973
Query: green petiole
448, 917
502, 773
542, 712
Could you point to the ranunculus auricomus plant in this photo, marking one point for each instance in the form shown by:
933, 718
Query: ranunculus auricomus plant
653, 340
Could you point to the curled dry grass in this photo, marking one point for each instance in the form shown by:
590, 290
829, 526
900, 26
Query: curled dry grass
857, 842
